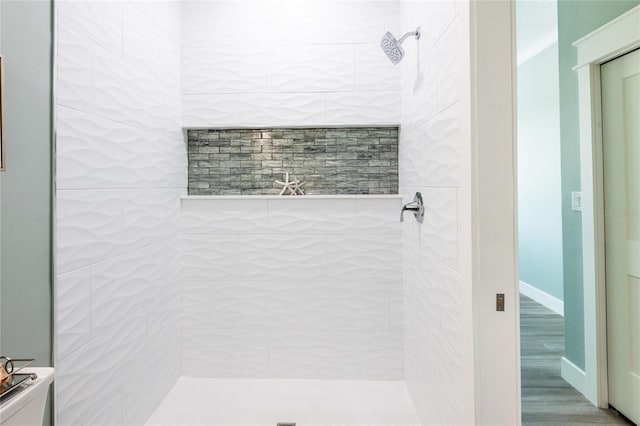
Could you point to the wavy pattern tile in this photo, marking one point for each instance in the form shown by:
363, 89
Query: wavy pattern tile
434, 18
170, 298
260, 257
281, 306
89, 227
223, 216
224, 69
333, 355
225, 19
373, 69
393, 16
430, 154
378, 216
73, 69
166, 16
439, 232
281, 108
341, 21
365, 259
312, 22
90, 378
326, 355
121, 170
284, 69
96, 153
123, 285
436, 343
99, 20
109, 412
150, 216
269, 258
148, 44
235, 353
73, 304
194, 24
209, 110
312, 68
202, 254
253, 306
381, 358
312, 216
197, 306
124, 93
450, 76
167, 162
420, 96
344, 307
142, 396
346, 282
396, 307
363, 107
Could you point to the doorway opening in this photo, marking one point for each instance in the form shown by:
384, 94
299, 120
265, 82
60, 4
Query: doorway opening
555, 356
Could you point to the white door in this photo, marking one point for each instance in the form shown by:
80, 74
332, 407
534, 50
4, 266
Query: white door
621, 150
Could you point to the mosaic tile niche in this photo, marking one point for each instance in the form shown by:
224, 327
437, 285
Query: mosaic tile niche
330, 160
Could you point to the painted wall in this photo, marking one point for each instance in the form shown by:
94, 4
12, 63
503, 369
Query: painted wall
121, 168
25, 279
575, 19
433, 142
539, 180
292, 288
273, 63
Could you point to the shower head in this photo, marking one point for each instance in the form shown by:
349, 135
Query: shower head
393, 48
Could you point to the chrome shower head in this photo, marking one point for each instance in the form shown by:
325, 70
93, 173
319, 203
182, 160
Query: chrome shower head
393, 48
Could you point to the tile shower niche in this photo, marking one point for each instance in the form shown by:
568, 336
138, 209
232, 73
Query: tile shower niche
329, 160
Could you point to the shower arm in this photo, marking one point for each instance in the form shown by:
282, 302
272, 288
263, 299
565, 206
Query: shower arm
415, 33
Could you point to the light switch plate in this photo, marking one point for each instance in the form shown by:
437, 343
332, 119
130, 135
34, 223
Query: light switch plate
576, 201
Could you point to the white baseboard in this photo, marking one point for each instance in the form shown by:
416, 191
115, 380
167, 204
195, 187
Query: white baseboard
573, 375
545, 299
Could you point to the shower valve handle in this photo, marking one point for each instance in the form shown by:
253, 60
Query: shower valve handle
416, 206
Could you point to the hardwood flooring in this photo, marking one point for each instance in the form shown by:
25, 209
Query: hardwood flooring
546, 398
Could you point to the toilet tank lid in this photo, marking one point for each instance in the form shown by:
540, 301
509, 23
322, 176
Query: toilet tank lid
30, 390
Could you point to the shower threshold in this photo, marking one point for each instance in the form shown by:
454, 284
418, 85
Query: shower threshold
267, 402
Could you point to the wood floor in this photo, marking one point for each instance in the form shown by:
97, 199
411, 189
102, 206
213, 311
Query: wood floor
546, 398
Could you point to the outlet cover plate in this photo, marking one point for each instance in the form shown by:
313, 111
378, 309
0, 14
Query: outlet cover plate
576, 201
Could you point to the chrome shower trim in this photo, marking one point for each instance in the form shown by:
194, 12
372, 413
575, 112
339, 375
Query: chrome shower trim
415, 33
416, 206
393, 47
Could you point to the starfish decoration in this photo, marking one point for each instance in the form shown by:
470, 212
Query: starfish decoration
293, 186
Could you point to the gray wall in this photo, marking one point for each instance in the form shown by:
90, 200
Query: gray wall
575, 19
25, 189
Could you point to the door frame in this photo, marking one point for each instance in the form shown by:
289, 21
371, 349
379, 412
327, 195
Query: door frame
614, 39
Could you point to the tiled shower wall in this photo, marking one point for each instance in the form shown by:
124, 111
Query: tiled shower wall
304, 287
433, 142
121, 167
282, 63
328, 161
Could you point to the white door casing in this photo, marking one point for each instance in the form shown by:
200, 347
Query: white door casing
621, 160
619, 36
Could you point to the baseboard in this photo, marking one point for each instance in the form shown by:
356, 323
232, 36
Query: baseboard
573, 375
545, 299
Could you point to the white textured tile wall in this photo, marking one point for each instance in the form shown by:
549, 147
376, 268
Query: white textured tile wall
437, 330
283, 63
121, 168
305, 287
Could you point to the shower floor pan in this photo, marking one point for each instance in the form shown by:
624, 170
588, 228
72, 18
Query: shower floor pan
267, 402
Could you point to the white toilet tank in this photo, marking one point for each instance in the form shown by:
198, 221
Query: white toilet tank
26, 406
